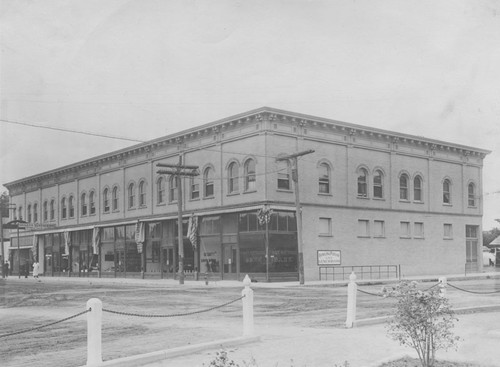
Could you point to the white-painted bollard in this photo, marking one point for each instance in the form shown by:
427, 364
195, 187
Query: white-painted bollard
247, 300
352, 288
442, 286
94, 322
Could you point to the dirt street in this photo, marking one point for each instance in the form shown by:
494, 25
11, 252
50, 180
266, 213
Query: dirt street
26, 304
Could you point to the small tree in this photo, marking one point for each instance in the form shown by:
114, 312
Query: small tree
422, 320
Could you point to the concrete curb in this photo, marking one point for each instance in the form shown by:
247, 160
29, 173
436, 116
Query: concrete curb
147, 358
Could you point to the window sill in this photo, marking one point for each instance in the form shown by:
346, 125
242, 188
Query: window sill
284, 190
142, 207
448, 238
447, 204
379, 199
364, 237
379, 237
233, 194
472, 207
404, 201
325, 235
324, 194
249, 192
161, 204
405, 237
195, 199
419, 238
209, 198
420, 202
134, 208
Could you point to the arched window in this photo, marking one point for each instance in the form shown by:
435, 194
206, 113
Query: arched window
172, 188
233, 180
83, 204
403, 187
142, 193
378, 184
195, 188
208, 182
471, 190
29, 213
249, 175
35, 213
283, 176
131, 195
71, 203
92, 202
324, 178
45, 211
446, 191
52, 209
105, 200
64, 209
115, 198
160, 190
362, 183
417, 188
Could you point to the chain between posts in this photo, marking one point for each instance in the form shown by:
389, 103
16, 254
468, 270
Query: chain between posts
475, 292
43, 326
173, 315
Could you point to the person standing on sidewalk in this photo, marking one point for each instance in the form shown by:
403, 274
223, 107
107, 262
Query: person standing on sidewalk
36, 267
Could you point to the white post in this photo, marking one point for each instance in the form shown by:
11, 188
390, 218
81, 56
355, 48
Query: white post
94, 322
247, 301
352, 288
442, 286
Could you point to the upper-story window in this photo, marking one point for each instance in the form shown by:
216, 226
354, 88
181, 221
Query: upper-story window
131, 195
378, 184
14, 213
20, 213
324, 178
471, 192
208, 182
160, 190
45, 211
172, 188
35, 213
417, 188
249, 174
195, 188
52, 209
403, 187
233, 179
446, 191
142, 193
105, 200
362, 183
83, 204
114, 199
29, 213
64, 209
92, 202
71, 204
283, 175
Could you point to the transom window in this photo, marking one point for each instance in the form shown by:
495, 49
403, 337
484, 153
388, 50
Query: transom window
249, 173
403, 187
324, 178
362, 183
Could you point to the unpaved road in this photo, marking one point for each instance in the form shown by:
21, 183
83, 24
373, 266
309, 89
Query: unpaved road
26, 304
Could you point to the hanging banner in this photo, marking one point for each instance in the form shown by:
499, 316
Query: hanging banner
193, 230
96, 239
67, 242
140, 236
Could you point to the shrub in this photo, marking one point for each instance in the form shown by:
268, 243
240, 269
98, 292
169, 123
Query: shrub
423, 320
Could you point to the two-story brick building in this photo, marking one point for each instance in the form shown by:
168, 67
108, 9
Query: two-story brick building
370, 198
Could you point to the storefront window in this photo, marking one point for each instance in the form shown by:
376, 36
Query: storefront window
252, 253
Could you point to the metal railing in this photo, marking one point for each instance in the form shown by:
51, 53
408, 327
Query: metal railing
362, 272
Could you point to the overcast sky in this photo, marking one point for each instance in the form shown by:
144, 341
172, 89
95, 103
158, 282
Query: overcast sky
146, 68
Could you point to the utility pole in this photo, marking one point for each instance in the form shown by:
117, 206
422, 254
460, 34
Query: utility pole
292, 160
178, 171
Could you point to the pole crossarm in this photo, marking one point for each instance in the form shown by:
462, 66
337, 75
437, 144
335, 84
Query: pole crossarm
295, 155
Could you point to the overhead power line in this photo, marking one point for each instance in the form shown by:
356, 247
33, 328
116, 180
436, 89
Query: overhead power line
70, 130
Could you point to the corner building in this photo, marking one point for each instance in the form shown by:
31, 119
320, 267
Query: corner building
378, 202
